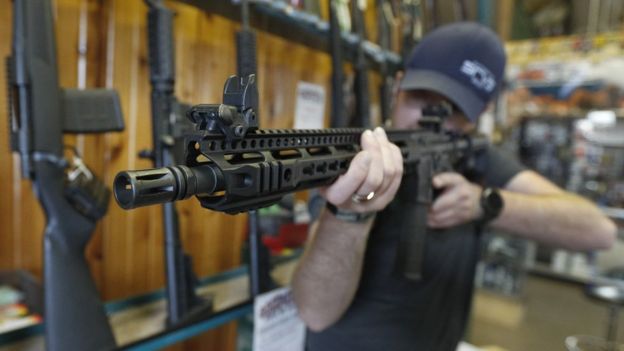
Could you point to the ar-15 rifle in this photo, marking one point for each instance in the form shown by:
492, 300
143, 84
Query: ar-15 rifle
338, 114
232, 166
360, 83
168, 128
72, 198
384, 18
260, 280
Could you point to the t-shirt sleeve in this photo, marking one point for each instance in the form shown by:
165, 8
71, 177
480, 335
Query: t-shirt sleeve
500, 167
316, 202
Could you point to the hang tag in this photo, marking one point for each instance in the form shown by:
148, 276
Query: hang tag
310, 106
87, 193
277, 326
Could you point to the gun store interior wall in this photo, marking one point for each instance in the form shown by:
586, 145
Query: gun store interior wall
559, 111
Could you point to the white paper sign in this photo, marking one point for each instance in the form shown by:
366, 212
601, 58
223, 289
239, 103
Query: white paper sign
277, 326
310, 107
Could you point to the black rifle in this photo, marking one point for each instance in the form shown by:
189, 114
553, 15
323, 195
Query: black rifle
461, 10
72, 198
433, 18
232, 166
259, 257
412, 14
384, 33
360, 66
168, 127
338, 114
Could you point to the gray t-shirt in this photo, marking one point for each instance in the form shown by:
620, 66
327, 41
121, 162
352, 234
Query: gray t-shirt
392, 313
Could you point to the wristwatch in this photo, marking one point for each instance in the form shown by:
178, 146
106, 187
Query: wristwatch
492, 204
349, 216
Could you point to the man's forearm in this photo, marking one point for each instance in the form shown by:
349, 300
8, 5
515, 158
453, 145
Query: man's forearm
329, 271
564, 220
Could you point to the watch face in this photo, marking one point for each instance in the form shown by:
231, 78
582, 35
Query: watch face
491, 203
493, 199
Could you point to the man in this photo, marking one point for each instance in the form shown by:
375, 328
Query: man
345, 287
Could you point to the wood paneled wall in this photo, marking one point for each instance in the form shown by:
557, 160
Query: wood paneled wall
102, 43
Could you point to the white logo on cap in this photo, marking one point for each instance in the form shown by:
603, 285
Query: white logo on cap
480, 76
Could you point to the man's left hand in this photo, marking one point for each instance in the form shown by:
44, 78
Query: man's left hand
457, 204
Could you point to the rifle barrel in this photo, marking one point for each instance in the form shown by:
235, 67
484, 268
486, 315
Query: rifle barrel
160, 185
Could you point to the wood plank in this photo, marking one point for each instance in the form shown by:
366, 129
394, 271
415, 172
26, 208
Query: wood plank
6, 159
124, 247
103, 43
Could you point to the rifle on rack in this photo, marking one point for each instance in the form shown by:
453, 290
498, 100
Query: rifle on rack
232, 166
168, 128
72, 197
360, 66
384, 13
259, 257
412, 17
338, 114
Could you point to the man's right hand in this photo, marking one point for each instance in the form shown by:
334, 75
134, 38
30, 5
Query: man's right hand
377, 169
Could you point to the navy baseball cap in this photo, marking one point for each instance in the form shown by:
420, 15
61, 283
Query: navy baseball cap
463, 61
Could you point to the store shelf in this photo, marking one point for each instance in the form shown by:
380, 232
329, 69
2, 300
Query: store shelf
300, 27
138, 322
543, 270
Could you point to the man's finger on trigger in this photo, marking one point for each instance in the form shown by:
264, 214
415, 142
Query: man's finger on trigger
348, 183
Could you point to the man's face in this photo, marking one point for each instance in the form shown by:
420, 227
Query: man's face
409, 106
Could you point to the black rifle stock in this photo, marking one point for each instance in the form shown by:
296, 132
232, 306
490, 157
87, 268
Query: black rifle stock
40, 112
168, 125
237, 173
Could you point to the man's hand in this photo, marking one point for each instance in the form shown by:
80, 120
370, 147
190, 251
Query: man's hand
377, 168
458, 203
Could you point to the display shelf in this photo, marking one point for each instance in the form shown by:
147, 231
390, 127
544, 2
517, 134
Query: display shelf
138, 322
300, 27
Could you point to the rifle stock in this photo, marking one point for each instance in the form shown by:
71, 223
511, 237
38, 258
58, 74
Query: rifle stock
40, 112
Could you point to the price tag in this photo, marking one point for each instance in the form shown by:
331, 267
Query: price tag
310, 108
277, 326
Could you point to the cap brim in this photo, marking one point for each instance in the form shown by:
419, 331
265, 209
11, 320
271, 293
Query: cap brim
470, 104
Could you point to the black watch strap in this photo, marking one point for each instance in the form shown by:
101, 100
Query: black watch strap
491, 204
349, 216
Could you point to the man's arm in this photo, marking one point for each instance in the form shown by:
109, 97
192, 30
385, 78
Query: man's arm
534, 208
329, 271
538, 209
